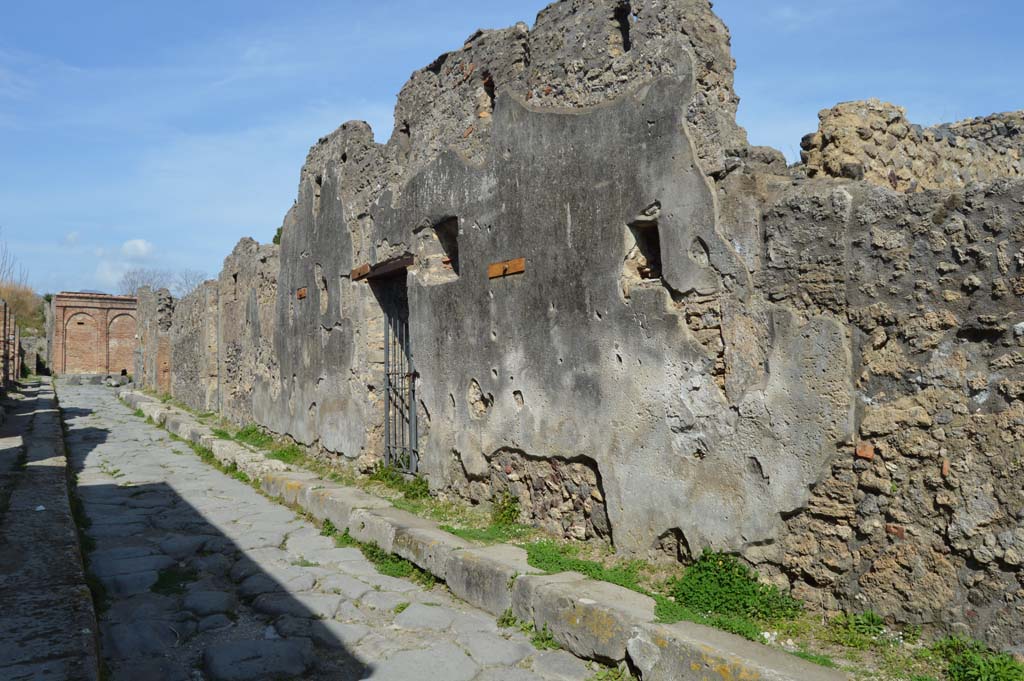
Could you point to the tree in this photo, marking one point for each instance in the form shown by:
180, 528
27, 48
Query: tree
11, 272
135, 278
26, 305
187, 281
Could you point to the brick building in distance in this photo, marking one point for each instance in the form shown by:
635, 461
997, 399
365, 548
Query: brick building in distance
93, 333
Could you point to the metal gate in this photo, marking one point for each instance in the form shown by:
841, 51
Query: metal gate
400, 436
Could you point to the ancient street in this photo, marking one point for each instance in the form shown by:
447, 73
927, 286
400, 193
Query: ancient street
208, 579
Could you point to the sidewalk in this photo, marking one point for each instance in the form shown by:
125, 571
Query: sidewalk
47, 623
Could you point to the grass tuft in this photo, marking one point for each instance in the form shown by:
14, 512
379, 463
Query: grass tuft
173, 581
252, 435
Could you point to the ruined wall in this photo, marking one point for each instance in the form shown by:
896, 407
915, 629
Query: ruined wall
873, 140
153, 354
704, 348
921, 519
246, 300
8, 348
194, 349
33, 353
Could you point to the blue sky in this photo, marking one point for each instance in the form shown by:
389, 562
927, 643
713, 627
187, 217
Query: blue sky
158, 134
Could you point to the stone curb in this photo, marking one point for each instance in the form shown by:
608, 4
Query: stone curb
593, 620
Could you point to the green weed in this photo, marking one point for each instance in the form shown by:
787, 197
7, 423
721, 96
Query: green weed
252, 435
552, 557
722, 585
613, 674
401, 607
543, 640
821, 660
492, 534
289, 454
967, 660
505, 510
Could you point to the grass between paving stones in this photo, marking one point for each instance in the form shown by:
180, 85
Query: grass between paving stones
173, 581
541, 639
388, 564
717, 590
620, 673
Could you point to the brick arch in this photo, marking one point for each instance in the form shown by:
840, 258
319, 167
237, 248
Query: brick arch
121, 343
81, 343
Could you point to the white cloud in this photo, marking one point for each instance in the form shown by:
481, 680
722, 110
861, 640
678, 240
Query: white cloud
108, 273
136, 248
71, 238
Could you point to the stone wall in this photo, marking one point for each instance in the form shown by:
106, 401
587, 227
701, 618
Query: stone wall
700, 348
10, 366
247, 298
873, 140
194, 349
33, 354
921, 517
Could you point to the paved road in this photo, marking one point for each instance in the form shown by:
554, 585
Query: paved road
207, 579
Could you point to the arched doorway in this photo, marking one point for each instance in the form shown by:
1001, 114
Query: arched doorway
82, 349
121, 344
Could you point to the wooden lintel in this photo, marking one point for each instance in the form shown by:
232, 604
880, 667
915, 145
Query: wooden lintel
383, 269
505, 268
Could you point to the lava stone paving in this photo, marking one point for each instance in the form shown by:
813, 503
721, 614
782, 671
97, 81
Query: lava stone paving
205, 578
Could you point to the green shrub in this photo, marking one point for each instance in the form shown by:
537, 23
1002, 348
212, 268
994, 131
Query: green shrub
722, 585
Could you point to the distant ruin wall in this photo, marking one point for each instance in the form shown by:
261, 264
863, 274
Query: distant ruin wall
874, 141
699, 348
247, 297
194, 349
153, 353
10, 363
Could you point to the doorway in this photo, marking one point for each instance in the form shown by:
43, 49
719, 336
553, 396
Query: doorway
401, 450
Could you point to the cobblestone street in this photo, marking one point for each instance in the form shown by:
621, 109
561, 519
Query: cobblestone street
205, 578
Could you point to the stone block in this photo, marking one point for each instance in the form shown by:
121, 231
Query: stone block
287, 486
594, 620
484, 576
429, 548
691, 652
338, 503
380, 525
